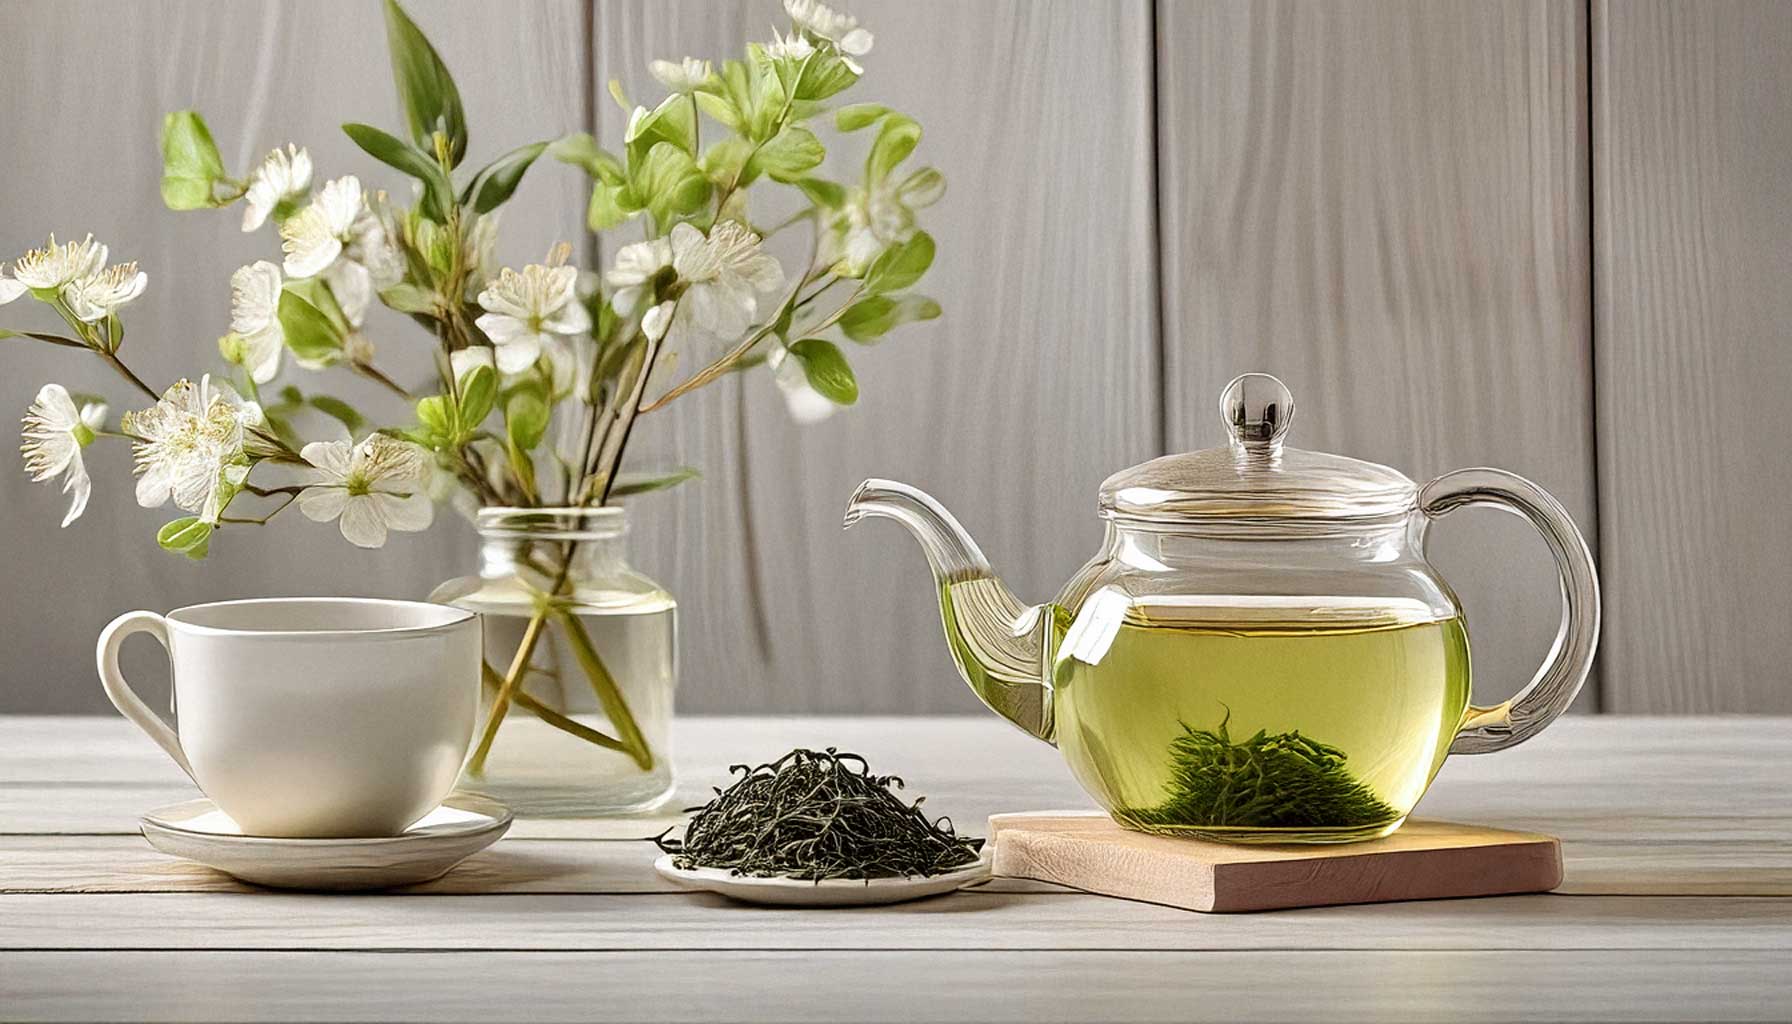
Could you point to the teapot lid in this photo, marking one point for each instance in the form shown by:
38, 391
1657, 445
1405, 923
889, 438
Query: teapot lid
1254, 476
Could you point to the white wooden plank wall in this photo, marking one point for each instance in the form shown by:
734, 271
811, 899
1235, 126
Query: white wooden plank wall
1037, 382
1385, 203
1464, 233
87, 84
1693, 172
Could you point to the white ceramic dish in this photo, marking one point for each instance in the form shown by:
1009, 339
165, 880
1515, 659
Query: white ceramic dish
834, 892
197, 830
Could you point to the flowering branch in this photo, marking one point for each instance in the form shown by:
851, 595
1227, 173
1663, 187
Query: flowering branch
512, 345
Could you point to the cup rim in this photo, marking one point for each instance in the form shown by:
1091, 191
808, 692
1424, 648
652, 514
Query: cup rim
457, 617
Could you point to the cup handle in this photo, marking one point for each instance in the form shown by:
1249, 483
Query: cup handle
1552, 689
123, 697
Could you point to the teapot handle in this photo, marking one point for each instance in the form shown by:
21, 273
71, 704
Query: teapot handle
1552, 689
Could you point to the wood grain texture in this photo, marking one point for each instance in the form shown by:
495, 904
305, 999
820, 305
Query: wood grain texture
617, 864
88, 83
1693, 173
1385, 203
1676, 828
1629, 784
1423, 860
1037, 382
957, 985
972, 919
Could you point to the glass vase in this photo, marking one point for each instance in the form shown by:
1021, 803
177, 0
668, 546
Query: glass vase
581, 663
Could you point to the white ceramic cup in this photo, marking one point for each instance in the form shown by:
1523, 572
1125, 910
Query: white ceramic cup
312, 717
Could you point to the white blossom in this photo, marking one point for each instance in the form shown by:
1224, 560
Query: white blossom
283, 176
10, 289
464, 361
190, 447
100, 294
806, 404
55, 431
840, 29
351, 285
482, 247
255, 318
724, 273
794, 46
373, 245
681, 76
378, 485
314, 237
655, 321
56, 265
531, 313
637, 119
871, 221
636, 264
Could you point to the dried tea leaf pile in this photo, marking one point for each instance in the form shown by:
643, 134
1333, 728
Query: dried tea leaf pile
1284, 780
816, 815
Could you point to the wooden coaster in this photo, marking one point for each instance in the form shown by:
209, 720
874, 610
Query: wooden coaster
1424, 860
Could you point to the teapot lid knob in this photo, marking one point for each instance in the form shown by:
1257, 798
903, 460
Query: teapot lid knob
1257, 409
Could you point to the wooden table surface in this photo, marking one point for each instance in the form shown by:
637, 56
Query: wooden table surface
1677, 904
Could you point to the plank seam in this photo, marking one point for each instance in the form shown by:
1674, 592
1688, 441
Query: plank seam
884, 950
1602, 683
1159, 310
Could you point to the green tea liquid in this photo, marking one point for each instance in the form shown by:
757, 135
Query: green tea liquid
1259, 718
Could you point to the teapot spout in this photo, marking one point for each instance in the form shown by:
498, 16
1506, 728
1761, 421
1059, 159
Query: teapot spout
1003, 648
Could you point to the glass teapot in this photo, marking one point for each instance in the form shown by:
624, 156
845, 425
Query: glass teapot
1260, 651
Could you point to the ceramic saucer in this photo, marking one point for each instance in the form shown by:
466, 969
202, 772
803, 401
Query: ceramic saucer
833, 892
198, 830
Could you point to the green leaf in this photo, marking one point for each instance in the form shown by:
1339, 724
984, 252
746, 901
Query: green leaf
922, 188
191, 165
478, 393
316, 291
283, 429
668, 182
870, 319
498, 181
426, 90
338, 410
736, 86
896, 139
720, 107
409, 298
901, 265
726, 162
825, 77
581, 150
859, 115
642, 483
605, 210
436, 415
309, 333
822, 192
185, 536
790, 153
673, 121
525, 418
828, 372
395, 152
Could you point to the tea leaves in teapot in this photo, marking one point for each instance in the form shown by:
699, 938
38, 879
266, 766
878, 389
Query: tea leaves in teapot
815, 815
1284, 780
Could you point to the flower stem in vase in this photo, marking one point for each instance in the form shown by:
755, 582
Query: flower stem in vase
512, 679
604, 685
521, 699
